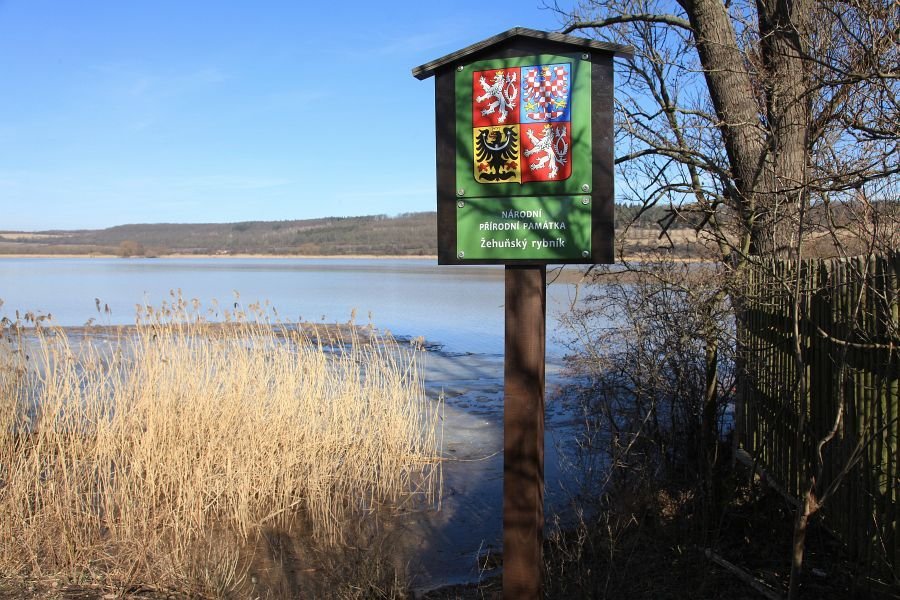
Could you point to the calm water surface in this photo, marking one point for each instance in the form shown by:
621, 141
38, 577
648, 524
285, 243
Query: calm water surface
458, 307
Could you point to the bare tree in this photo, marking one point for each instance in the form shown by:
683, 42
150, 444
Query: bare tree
740, 113
771, 126
129, 248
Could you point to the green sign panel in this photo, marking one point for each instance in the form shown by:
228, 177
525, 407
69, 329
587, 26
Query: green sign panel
524, 159
524, 228
523, 127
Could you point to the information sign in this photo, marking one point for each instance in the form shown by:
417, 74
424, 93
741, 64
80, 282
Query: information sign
524, 179
523, 152
524, 126
522, 228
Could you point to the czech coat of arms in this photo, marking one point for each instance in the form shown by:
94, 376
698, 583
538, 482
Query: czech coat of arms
521, 119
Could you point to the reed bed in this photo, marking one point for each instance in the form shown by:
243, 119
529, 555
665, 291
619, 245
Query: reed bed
154, 454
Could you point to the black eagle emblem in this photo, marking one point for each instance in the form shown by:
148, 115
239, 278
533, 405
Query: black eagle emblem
494, 151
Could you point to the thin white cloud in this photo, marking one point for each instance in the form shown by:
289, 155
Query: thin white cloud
209, 75
392, 192
416, 43
146, 83
235, 182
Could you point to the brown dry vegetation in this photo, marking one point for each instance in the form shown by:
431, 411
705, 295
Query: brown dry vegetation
643, 545
845, 231
404, 235
215, 461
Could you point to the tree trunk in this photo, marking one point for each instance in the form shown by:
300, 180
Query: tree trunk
710, 432
731, 90
784, 30
767, 147
798, 547
711, 401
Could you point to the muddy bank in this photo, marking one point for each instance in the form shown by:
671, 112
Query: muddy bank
454, 543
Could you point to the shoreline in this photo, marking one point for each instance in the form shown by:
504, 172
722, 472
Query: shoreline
637, 257
227, 256
566, 274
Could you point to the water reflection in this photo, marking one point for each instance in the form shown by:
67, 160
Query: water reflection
460, 308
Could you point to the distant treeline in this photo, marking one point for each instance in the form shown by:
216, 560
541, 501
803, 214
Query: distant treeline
637, 215
410, 234
403, 235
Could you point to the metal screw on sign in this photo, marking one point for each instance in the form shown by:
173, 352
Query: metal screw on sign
460, 204
460, 192
460, 68
585, 201
585, 253
585, 56
461, 255
585, 188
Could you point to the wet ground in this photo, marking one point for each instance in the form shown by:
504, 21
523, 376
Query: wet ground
454, 544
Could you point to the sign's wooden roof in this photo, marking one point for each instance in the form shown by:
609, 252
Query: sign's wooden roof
577, 43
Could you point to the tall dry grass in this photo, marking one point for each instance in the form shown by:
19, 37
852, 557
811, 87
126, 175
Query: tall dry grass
159, 453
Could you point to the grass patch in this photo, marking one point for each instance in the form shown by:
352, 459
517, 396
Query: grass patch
168, 455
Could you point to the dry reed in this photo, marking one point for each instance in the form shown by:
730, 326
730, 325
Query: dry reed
150, 455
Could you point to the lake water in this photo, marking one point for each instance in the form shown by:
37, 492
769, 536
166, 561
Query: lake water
460, 308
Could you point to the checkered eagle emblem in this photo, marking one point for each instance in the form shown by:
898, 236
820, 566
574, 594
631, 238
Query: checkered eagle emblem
521, 124
545, 93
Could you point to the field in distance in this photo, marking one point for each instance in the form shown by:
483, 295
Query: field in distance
639, 235
410, 234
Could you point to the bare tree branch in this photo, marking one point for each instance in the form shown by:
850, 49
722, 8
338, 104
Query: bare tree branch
636, 18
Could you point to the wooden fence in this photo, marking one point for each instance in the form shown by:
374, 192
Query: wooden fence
846, 335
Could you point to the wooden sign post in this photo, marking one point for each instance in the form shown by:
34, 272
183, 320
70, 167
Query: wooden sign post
523, 430
524, 179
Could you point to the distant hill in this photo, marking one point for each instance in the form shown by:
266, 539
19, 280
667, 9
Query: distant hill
409, 234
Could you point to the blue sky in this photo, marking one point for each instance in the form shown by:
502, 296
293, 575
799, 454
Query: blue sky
214, 111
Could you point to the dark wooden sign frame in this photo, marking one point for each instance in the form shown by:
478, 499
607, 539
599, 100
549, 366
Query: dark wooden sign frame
519, 43
525, 280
